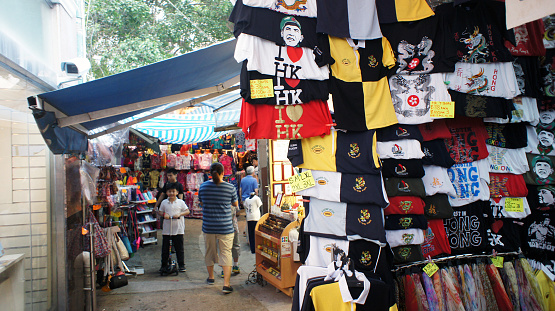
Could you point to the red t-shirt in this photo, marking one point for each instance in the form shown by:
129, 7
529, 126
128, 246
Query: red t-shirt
285, 122
402, 205
507, 185
529, 39
435, 130
468, 139
435, 239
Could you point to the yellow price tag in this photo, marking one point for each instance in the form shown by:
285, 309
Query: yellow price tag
301, 181
430, 269
442, 109
262, 88
497, 261
514, 204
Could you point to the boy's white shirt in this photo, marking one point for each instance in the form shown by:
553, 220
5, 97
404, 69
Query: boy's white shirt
173, 226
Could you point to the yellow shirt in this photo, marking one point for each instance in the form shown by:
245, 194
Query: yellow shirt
327, 297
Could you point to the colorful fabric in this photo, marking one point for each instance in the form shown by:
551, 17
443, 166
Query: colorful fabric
528, 301
470, 283
533, 282
503, 301
452, 299
411, 302
420, 293
491, 304
431, 296
465, 293
438, 284
511, 283
480, 294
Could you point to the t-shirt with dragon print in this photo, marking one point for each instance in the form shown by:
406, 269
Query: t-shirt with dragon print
421, 47
477, 30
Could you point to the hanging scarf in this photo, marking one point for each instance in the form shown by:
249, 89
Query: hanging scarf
455, 276
431, 296
471, 289
508, 276
528, 301
465, 294
401, 299
533, 282
488, 290
420, 294
503, 301
411, 302
436, 278
480, 292
452, 299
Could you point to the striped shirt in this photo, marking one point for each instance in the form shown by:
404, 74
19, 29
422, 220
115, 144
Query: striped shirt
216, 207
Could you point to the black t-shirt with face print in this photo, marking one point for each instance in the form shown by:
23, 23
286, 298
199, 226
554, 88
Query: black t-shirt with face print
541, 198
538, 235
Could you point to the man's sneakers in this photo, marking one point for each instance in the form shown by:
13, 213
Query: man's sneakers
222, 275
227, 290
210, 281
182, 269
235, 270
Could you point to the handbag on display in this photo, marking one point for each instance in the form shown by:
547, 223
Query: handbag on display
123, 253
101, 247
118, 280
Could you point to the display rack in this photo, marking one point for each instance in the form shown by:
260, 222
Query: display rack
147, 222
274, 256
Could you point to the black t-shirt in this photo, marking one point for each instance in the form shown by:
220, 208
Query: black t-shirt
268, 24
175, 148
405, 186
538, 235
511, 135
438, 207
548, 78
476, 106
478, 30
528, 76
146, 160
344, 160
403, 222
541, 197
422, 46
504, 235
285, 91
407, 253
366, 221
398, 132
295, 152
436, 153
412, 168
467, 230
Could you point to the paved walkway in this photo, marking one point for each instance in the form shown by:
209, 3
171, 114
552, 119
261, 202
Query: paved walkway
188, 291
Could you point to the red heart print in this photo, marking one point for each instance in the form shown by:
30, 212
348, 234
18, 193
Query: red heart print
496, 226
294, 53
292, 82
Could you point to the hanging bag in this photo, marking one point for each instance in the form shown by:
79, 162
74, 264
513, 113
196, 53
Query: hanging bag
101, 247
123, 253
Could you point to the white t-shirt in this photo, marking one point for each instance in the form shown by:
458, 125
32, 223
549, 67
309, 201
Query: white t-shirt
436, 180
490, 79
546, 119
173, 226
252, 208
326, 217
308, 8
543, 140
328, 186
470, 181
294, 63
404, 237
321, 250
400, 149
504, 160
526, 110
519, 209
412, 96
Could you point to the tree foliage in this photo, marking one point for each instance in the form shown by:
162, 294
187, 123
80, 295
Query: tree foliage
125, 34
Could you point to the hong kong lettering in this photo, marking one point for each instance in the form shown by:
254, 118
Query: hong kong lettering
462, 230
463, 145
287, 97
289, 131
466, 180
495, 136
284, 70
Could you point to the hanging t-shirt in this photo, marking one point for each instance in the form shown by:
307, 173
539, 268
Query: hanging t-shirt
402, 11
191, 181
436, 180
359, 84
528, 39
494, 79
226, 162
356, 19
470, 181
407, 253
400, 149
274, 26
285, 122
478, 30
171, 160
438, 207
326, 219
540, 141
405, 205
403, 222
155, 162
412, 96
435, 239
538, 235
186, 158
154, 179
398, 132
503, 160
251, 143
404, 187
467, 142
504, 235
205, 161
404, 237
548, 37
282, 91
548, 85
300, 8
269, 58
525, 110
350, 152
421, 46
512, 135
434, 130
510, 208
477, 106
348, 188
146, 160
528, 76
467, 230
412, 168
240, 142
507, 185
370, 257
436, 153
541, 197
541, 170
321, 248
546, 119
365, 221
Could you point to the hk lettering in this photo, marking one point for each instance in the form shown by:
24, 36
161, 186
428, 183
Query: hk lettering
286, 131
286, 97
285, 70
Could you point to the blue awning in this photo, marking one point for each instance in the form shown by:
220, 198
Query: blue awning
96, 104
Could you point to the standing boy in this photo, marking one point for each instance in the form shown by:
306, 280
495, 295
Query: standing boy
172, 210
172, 180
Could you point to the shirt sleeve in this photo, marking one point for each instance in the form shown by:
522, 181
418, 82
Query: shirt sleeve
163, 207
184, 206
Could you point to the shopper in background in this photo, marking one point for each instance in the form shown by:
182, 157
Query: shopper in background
218, 198
172, 180
248, 184
236, 248
252, 208
172, 210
